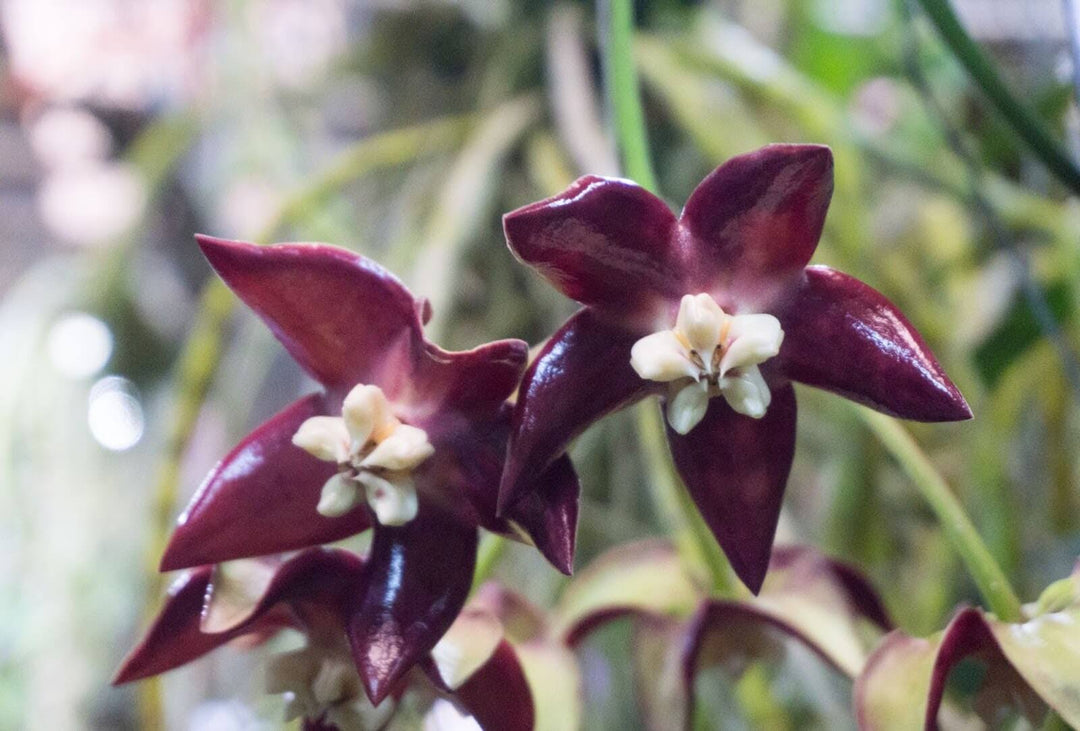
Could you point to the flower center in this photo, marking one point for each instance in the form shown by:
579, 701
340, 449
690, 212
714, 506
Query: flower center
709, 353
373, 451
322, 683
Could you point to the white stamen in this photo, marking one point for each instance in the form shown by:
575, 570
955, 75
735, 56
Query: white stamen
339, 495
373, 449
688, 407
661, 357
709, 353
701, 322
394, 503
404, 449
324, 437
367, 415
747, 393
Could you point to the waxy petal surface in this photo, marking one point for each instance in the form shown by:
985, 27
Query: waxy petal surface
582, 374
473, 382
498, 694
309, 587
340, 315
174, 637
843, 336
604, 242
757, 218
549, 515
261, 499
324, 579
735, 468
419, 575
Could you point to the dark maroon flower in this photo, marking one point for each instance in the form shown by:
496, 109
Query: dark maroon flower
717, 302
406, 438
313, 592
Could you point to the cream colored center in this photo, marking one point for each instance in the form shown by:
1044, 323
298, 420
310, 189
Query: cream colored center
709, 353
373, 450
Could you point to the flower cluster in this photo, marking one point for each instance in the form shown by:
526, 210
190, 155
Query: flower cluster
714, 311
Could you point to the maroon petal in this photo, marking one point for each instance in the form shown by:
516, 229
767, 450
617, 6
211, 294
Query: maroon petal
758, 217
549, 514
736, 468
319, 584
338, 314
498, 694
845, 337
174, 638
419, 576
603, 241
582, 374
261, 499
473, 383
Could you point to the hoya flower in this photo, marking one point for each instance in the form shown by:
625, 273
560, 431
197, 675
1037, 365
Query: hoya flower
257, 598
716, 312
406, 439
1027, 668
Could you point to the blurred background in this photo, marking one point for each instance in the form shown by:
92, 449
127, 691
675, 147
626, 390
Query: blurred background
403, 129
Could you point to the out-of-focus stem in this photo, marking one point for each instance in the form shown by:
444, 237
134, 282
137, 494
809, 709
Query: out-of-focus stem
491, 549
624, 96
677, 510
959, 530
1023, 121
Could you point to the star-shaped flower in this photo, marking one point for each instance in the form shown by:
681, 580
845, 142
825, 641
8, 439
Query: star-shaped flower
716, 302
406, 438
254, 599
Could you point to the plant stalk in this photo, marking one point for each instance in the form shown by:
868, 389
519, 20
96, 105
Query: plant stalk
991, 581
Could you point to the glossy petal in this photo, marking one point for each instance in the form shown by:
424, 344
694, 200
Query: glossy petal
604, 242
473, 382
174, 637
582, 374
200, 615
261, 499
418, 577
757, 218
340, 315
845, 337
498, 695
549, 514
316, 582
736, 468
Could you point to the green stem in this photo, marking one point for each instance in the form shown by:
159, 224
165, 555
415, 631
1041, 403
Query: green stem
983, 569
624, 96
491, 549
1024, 122
677, 510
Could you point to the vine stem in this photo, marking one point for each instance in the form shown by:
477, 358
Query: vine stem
676, 508
1023, 120
981, 566
623, 95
